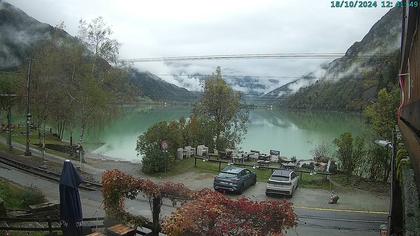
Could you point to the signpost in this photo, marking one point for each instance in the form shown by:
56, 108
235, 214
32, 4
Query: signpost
164, 146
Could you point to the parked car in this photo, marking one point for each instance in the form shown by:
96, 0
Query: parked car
283, 182
234, 179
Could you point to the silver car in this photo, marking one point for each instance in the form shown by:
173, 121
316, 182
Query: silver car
282, 182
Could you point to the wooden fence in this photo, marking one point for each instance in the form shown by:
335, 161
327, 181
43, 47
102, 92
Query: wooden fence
272, 169
52, 225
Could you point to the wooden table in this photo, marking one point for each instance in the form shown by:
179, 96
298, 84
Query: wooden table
262, 163
96, 234
121, 230
237, 159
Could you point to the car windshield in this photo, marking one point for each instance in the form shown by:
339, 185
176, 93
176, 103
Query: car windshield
279, 178
227, 175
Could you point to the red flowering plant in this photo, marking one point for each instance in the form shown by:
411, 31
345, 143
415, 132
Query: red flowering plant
117, 186
215, 214
204, 212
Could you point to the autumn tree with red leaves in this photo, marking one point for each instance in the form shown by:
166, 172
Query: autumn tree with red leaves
215, 214
205, 212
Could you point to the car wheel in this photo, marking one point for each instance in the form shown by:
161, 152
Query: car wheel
255, 181
241, 189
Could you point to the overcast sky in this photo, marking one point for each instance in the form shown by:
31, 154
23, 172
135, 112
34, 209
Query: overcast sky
155, 28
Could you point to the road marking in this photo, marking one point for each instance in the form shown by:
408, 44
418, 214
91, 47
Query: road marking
342, 210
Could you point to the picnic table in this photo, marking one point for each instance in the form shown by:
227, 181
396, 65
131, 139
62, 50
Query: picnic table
237, 159
263, 163
120, 230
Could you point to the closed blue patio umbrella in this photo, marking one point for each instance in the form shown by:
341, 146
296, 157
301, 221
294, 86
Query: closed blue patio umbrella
70, 206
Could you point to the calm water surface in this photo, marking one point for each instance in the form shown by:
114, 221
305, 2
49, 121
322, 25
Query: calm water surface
293, 133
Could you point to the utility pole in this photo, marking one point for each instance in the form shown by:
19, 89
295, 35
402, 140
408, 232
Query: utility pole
28, 111
9, 127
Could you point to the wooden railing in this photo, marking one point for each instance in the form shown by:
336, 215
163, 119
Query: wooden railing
51, 225
47, 224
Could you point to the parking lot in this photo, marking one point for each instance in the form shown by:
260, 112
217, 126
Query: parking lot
303, 197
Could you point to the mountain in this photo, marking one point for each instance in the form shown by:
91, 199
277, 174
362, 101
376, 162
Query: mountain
289, 88
352, 81
249, 85
20, 34
157, 89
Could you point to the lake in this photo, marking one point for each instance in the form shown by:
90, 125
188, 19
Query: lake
294, 133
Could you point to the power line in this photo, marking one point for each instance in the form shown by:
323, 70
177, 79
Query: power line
232, 76
250, 56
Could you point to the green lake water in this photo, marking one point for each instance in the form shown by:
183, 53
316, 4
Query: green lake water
293, 133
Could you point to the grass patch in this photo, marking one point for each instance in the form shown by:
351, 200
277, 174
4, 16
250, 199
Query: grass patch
177, 168
17, 197
187, 165
361, 183
315, 181
5, 148
17, 137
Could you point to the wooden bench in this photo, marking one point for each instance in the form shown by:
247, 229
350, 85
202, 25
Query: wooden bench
121, 230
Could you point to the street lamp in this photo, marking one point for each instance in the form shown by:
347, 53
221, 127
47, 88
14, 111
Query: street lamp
384, 143
394, 213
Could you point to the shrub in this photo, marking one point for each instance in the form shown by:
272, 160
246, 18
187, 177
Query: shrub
32, 196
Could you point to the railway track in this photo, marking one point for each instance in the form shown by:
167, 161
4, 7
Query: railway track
85, 185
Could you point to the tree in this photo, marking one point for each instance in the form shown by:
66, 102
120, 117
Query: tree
204, 212
321, 153
214, 214
378, 161
349, 152
382, 115
96, 36
221, 105
8, 86
88, 93
46, 90
154, 159
8, 91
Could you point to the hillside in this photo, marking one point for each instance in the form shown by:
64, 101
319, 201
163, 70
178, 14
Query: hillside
20, 34
352, 81
157, 89
290, 88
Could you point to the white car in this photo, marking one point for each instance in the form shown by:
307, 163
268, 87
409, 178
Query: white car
283, 182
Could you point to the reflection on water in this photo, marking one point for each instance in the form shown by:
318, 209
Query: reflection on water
296, 133
293, 133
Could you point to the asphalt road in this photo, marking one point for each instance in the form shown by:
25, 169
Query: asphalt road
312, 221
